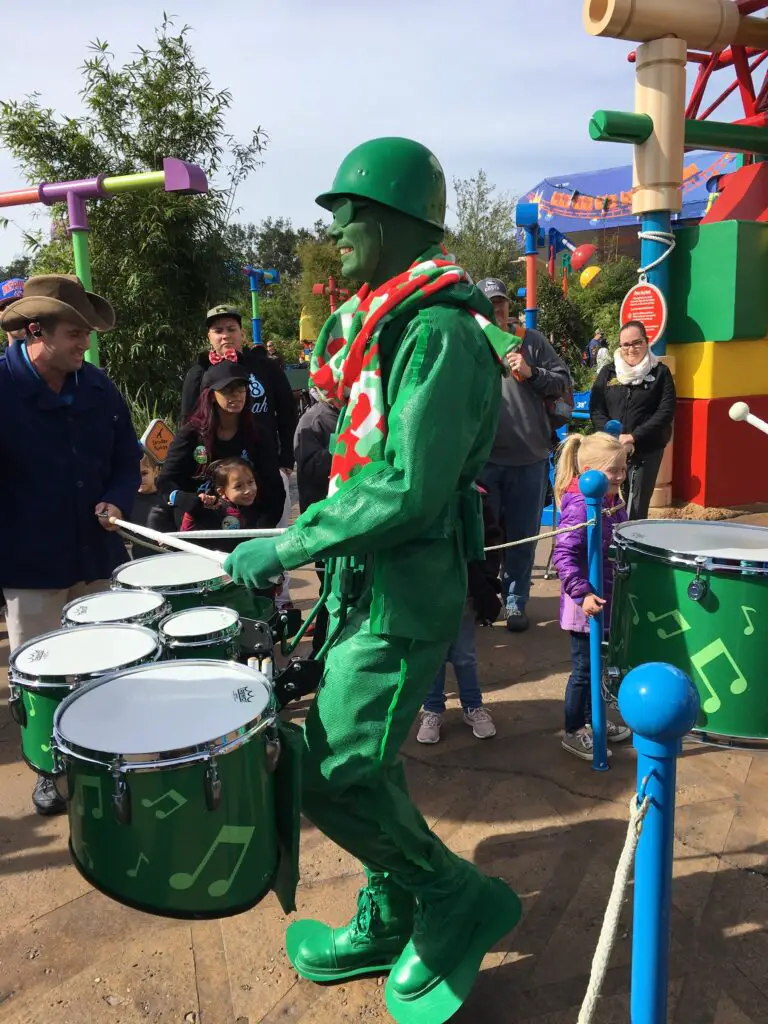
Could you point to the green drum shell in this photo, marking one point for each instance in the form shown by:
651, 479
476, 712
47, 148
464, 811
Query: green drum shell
715, 639
175, 856
34, 702
220, 644
183, 596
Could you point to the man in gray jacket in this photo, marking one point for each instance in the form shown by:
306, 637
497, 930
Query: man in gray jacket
517, 471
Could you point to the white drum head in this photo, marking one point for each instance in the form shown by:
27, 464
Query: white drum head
199, 622
114, 606
716, 541
89, 650
159, 572
166, 706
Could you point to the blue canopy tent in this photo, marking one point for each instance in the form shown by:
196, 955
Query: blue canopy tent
601, 200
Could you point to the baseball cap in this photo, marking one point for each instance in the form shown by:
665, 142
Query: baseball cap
223, 310
222, 375
491, 287
11, 290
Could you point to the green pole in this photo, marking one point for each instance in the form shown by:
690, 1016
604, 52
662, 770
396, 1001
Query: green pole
618, 126
726, 138
133, 182
83, 271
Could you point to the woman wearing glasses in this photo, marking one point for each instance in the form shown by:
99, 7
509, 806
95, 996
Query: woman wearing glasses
638, 391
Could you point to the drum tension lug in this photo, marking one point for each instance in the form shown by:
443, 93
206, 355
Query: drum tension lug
212, 786
622, 568
17, 709
121, 802
697, 589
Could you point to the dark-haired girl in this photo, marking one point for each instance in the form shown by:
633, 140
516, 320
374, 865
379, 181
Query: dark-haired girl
232, 503
220, 427
638, 391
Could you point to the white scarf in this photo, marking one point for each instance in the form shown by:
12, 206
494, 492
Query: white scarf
633, 375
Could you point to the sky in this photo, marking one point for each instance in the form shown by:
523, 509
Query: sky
505, 85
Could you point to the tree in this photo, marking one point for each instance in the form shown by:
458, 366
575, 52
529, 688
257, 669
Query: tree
161, 258
319, 260
18, 267
484, 240
599, 304
271, 244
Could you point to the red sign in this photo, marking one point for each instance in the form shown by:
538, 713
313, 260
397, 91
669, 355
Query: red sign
645, 303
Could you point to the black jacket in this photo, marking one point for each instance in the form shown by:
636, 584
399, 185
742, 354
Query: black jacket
271, 397
311, 446
645, 410
179, 474
483, 577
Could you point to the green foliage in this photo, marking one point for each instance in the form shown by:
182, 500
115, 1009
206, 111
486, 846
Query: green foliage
290, 349
18, 267
484, 240
144, 408
161, 258
319, 260
599, 304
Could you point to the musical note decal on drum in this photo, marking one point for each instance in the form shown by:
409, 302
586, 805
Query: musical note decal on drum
83, 784
31, 698
705, 657
632, 598
86, 853
749, 629
676, 617
176, 799
132, 872
235, 835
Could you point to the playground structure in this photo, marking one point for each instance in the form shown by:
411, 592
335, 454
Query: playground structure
176, 176
259, 280
717, 267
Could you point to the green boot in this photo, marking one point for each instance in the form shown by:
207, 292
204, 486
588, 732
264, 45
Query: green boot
451, 936
371, 942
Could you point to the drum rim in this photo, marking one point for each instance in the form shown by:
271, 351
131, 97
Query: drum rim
229, 632
201, 587
709, 563
151, 615
25, 681
160, 760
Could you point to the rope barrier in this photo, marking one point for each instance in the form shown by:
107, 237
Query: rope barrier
555, 533
661, 237
607, 939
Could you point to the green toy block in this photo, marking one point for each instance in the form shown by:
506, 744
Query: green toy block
718, 288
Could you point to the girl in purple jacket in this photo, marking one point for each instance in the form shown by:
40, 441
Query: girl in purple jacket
578, 601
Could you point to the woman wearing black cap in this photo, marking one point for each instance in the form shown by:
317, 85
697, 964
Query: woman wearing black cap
221, 426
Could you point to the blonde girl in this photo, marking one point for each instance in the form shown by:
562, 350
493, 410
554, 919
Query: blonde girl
578, 600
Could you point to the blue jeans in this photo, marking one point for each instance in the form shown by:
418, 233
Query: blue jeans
578, 692
461, 654
516, 495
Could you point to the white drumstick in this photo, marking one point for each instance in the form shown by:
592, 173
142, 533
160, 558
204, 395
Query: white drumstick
739, 411
172, 542
230, 534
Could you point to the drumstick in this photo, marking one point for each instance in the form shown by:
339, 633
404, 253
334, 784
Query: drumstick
739, 411
230, 534
172, 542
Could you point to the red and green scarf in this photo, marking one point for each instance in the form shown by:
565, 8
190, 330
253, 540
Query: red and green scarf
346, 366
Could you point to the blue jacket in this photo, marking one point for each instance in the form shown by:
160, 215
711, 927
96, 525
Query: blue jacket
60, 455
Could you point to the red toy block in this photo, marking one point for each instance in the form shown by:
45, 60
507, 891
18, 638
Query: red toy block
743, 196
719, 463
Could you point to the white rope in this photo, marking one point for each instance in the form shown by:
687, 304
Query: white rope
555, 533
662, 237
602, 957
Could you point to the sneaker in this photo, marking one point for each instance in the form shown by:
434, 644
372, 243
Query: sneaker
517, 621
481, 722
579, 743
429, 730
46, 799
616, 732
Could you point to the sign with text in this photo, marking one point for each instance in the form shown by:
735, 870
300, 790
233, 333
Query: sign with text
157, 439
645, 303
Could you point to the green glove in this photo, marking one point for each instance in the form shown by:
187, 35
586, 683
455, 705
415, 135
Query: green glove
255, 563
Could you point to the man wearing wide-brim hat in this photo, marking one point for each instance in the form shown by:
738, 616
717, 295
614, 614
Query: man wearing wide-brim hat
70, 459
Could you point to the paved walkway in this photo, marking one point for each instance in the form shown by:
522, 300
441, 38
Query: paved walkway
517, 805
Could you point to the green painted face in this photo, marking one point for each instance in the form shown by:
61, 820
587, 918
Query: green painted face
357, 234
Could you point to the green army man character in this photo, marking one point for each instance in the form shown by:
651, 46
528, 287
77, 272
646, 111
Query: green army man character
415, 361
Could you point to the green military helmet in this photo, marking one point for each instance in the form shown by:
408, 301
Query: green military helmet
399, 173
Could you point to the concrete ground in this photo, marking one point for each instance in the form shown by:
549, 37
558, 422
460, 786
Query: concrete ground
517, 805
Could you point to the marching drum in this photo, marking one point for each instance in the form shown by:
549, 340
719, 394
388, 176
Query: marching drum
201, 633
43, 671
184, 580
137, 607
695, 594
167, 770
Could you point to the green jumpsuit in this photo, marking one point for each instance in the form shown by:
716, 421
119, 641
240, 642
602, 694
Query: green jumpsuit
410, 524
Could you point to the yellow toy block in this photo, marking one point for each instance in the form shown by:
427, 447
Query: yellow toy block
711, 369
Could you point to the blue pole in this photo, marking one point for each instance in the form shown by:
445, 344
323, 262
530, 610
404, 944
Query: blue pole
593, 486
258, 280
650, 251
660, 704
